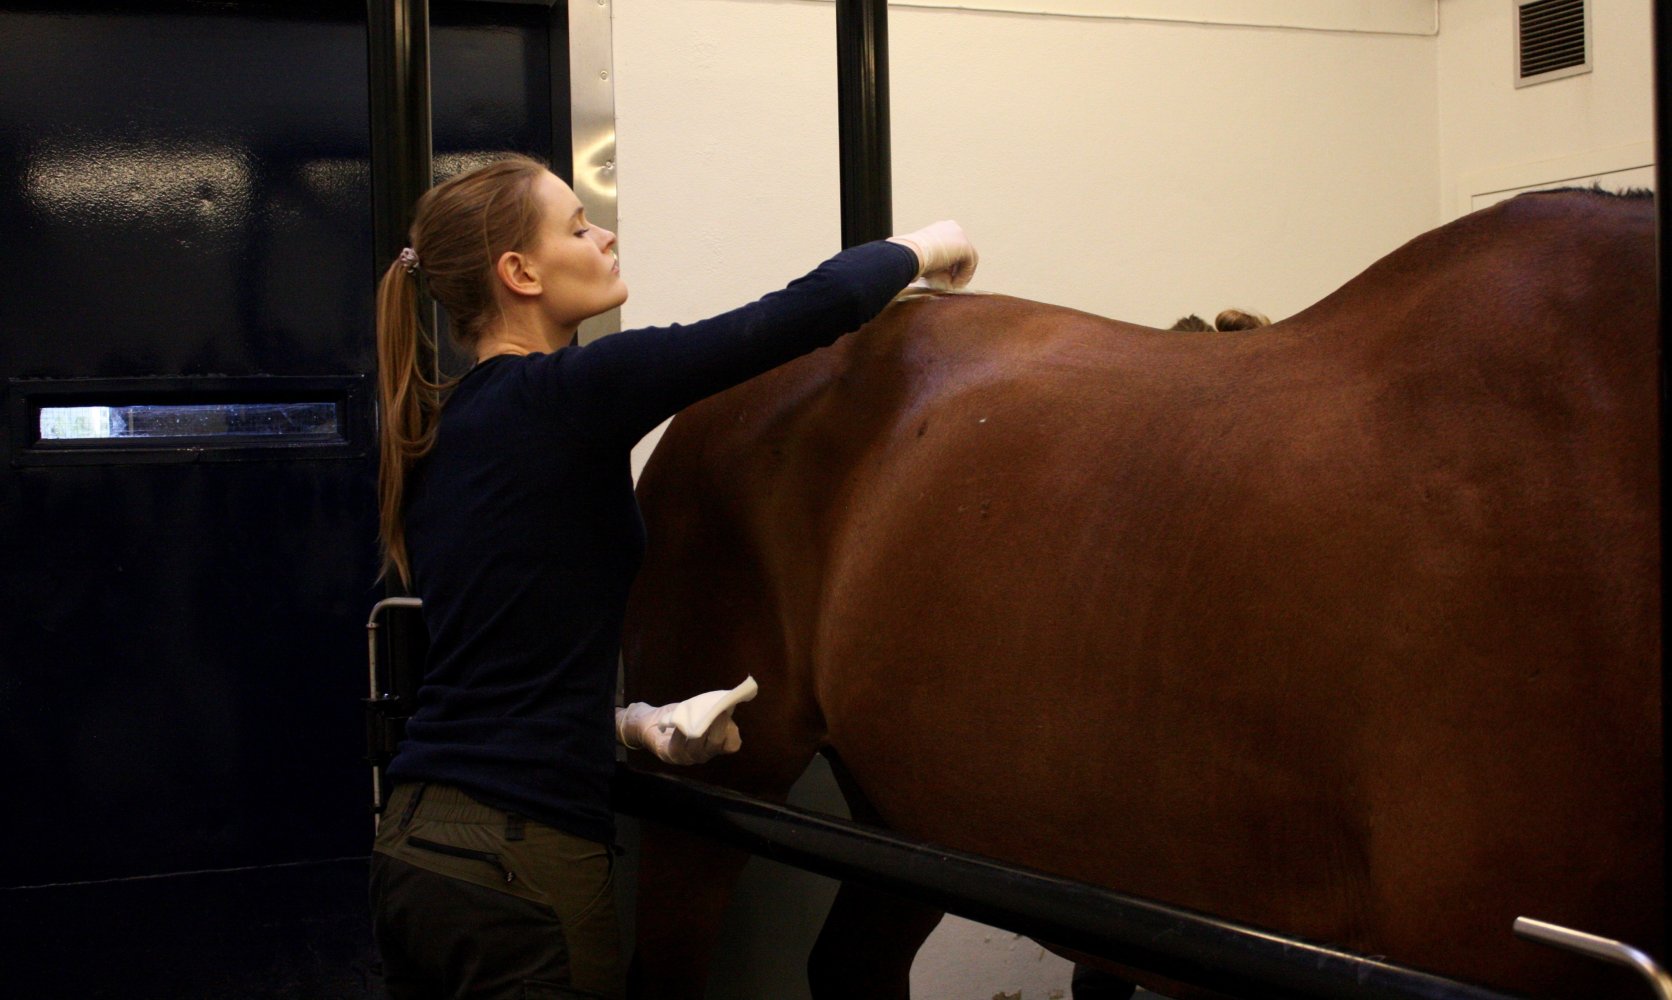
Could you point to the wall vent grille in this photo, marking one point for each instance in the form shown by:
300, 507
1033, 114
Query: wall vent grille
1552, 40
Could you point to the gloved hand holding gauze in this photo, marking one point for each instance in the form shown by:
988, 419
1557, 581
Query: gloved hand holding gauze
945, 256
692, 731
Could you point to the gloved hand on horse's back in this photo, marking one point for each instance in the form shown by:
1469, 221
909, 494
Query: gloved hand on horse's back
946, 258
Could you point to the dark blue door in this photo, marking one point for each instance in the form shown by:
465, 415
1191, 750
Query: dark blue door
187, 509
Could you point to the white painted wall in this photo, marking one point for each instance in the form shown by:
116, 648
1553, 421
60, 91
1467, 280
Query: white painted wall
1131, 168
1138, 169
1141, 170
1146, 170
1493, 135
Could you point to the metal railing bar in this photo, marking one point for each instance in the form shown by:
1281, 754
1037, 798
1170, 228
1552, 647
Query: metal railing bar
1179, 944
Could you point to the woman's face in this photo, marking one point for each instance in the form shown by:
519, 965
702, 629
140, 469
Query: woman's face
579, 276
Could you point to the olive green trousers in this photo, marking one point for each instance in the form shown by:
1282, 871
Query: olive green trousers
472, 901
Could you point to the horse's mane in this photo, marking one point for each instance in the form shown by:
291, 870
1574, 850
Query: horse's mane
1632, 194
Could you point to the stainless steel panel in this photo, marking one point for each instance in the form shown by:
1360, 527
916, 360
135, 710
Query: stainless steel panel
592, 111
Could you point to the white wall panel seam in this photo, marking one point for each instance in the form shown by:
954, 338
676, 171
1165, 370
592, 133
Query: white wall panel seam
1371, 17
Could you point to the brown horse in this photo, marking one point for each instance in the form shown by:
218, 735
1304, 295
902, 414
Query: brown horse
1347, 627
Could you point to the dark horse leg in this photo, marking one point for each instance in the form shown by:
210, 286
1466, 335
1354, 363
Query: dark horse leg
686, 880
870, 938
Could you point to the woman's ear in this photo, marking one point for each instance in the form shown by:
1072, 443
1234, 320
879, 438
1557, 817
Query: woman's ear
513, 272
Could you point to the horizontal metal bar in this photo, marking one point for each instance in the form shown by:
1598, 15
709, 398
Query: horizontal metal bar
1179, 944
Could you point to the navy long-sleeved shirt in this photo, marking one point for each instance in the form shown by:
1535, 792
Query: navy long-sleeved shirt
524, 536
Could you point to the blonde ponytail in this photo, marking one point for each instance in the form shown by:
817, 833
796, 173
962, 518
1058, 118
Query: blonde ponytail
409, 403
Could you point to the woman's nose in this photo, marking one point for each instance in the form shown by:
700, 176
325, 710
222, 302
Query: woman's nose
604, 237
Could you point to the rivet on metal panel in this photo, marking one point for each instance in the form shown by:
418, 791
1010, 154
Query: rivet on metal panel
603, 74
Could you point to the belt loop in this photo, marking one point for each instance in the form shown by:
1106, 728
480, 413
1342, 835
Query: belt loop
513, 826
412, 805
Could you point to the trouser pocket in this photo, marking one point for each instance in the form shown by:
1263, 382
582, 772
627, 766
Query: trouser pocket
472, 852
453, 851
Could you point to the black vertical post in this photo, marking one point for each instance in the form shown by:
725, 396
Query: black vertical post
398, 64
563, 124
1663, 263
398, 49
862, 108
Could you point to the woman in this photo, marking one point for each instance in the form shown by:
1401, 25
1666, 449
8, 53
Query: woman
507, 506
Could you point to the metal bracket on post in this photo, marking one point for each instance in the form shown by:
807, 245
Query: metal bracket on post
1605, 949
386, 709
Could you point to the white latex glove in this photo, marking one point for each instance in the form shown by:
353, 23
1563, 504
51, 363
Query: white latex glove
945, 256
692, 731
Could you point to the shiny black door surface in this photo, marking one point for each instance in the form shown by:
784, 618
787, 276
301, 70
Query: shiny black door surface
187, 508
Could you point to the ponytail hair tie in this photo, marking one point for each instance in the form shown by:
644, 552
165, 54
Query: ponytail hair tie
408, 259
